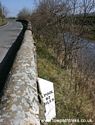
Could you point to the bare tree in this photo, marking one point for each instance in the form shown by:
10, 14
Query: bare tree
3, 11
24, 14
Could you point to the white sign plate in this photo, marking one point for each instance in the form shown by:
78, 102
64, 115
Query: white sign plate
47, 93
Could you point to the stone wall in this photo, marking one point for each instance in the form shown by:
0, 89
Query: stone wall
19, 105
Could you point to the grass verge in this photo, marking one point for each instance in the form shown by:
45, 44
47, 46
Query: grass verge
2, 21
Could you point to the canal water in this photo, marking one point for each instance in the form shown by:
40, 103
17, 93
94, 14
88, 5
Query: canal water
84, 52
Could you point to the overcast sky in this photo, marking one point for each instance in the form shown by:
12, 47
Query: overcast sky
14, 6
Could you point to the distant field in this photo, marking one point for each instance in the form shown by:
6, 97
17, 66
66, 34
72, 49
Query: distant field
88, 27
90, 34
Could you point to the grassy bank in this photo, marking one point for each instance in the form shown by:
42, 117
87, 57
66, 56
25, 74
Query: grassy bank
2, 21
69, 103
